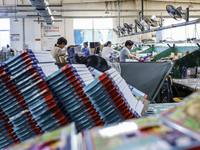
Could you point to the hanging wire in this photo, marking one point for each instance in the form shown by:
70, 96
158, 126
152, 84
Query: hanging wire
15, 9
196, 31
171, 33
185, 36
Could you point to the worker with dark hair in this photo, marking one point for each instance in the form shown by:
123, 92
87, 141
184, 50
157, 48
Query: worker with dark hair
125, 52
97, 50
108, 51
57, 52
85, 49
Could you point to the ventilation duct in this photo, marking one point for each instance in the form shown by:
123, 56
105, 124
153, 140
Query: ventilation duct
41, 6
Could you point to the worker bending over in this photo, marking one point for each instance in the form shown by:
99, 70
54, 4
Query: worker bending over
57, 52
108, 51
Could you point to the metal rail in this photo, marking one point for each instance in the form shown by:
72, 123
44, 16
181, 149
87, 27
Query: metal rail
165, 27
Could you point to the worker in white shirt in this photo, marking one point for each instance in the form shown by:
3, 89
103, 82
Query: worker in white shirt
108, 51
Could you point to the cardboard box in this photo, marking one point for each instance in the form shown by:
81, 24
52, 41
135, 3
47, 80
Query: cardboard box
92, 50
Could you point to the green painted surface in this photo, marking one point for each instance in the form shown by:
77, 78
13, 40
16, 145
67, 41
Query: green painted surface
157, 49
175, 50
160, 108
134, 49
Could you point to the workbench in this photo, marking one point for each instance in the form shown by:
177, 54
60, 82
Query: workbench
192, 84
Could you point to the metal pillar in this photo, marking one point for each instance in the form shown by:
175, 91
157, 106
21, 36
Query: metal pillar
142, 10
187, 15
118, 12
23, 26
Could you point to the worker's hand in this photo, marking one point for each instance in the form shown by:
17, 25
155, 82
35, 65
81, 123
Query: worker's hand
115, 52
134, 57
65, 57
134, 53
137, 58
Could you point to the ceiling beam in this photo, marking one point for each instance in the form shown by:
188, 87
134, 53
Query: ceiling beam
91, 10
179, 1
114, 10
32, 6
74, 17
5, 6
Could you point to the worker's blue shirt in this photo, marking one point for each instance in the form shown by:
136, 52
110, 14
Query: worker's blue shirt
86, 51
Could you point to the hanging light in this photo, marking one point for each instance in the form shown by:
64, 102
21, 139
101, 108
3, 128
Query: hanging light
106, 12
15, 20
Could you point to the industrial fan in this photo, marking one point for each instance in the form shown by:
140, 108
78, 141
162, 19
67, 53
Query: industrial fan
146, 25
116, 31
128, 27
151, 21
138, 25
161, 21
122, 30
177, 13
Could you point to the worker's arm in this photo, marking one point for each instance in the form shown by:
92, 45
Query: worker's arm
66, 57
89, 52
115, 52
62, 60
61, 56
132, 56
134, 53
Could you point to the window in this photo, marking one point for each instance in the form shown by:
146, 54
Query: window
103, 23
92, 30
82, 36
102, 36
4, 32
82, 24
180, 33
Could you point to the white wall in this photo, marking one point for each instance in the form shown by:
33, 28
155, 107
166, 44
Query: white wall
30, 33
16, 28
69, 32
34, 31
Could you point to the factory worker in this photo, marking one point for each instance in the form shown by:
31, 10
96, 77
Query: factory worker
97, 50
57, 52
125, 52
108, 51
8, 52
86, 49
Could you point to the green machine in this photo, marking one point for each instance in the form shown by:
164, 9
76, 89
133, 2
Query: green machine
134, 49
118, 48
150, 50
190, 60
138, 48
176, 50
